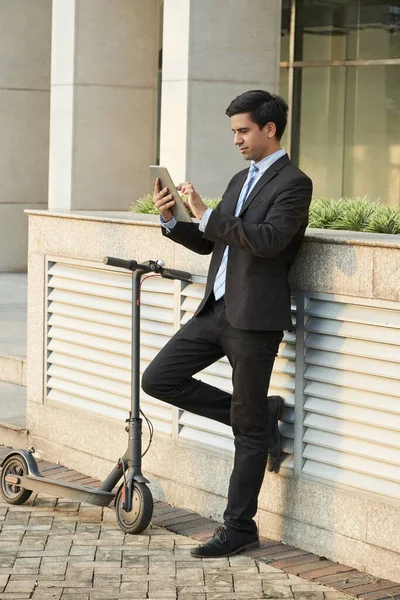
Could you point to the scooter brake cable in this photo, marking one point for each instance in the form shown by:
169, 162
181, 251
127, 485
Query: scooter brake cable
151, 431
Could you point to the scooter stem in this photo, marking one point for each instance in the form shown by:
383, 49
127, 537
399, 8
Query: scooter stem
135, 358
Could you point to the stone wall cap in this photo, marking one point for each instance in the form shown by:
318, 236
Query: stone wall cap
326, 236
355, 238
125, 217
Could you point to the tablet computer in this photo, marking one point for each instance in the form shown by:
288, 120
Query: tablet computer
179, 210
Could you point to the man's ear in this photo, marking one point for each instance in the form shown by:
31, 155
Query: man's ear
270, 129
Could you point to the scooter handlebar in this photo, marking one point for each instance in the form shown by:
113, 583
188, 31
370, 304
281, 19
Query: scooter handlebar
176, 274
149, 267
120, 262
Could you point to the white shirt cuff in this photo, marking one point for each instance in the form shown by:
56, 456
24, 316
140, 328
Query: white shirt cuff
168, 224
204, 221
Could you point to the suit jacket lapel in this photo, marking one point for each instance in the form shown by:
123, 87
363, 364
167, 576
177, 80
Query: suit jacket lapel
268, 175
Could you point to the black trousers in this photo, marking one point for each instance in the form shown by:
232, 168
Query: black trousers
200, 342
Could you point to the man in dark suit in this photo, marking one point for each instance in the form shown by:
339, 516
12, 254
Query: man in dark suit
254, 235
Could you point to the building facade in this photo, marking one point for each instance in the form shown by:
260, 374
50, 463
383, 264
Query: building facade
93, 91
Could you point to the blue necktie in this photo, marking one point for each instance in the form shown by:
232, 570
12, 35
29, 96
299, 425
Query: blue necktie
219, 283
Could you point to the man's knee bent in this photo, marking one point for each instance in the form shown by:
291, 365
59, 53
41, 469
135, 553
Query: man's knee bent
152, 383
155, 384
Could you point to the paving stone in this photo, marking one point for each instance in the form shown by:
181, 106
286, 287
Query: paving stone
106, 582
309, 595
79, 574
21, 563
219, 581
14, 596
336, 596
21, 586
247, 585
162, 589
234, 596
276, 591
191, 596
194, 589
108, 554
83, 551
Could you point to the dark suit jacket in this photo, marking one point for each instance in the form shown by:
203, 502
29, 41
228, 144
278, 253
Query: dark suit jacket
263, 242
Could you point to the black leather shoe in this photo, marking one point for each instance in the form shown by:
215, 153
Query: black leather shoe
275, 410
226, 542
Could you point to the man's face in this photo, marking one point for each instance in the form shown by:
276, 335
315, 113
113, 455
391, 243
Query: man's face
253, 143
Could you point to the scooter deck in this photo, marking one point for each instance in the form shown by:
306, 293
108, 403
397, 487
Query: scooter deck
80, 493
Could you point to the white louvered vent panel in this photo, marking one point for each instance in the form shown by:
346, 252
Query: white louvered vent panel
200, 429
89, 339
352, 395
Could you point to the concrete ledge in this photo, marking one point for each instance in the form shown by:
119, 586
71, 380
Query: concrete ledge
13, 370
14, 437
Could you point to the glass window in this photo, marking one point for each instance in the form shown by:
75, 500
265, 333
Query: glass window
320, 29
377, 33
321, 107
347, 29
371, 164
345, 118
347, 121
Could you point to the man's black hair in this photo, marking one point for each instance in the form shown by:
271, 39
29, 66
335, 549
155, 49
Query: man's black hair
263, 108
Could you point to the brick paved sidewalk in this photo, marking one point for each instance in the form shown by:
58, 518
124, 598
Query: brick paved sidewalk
59, 549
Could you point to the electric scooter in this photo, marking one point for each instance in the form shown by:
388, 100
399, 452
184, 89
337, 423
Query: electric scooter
20, 475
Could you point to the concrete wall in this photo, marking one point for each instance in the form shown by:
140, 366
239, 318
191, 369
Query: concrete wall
337, 521
103, 102
25, 39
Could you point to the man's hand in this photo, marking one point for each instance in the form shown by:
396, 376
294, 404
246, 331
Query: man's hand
195, 203
163, 201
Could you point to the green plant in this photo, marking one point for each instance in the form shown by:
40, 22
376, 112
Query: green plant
145, 205
386, 220
324, 212
356, 213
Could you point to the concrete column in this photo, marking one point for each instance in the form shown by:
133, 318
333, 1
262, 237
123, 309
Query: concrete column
25, 37
212, 51
103, 102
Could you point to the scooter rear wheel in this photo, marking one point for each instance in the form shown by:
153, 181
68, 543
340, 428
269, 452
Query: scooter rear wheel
136, 520
13, 493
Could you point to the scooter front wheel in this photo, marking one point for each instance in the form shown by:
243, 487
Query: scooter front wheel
13, 493
137, 519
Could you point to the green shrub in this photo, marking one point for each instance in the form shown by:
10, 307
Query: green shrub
354, 214
324, 212
385, 220
145, 205
351, 214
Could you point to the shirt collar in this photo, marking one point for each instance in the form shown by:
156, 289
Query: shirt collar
269, 160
